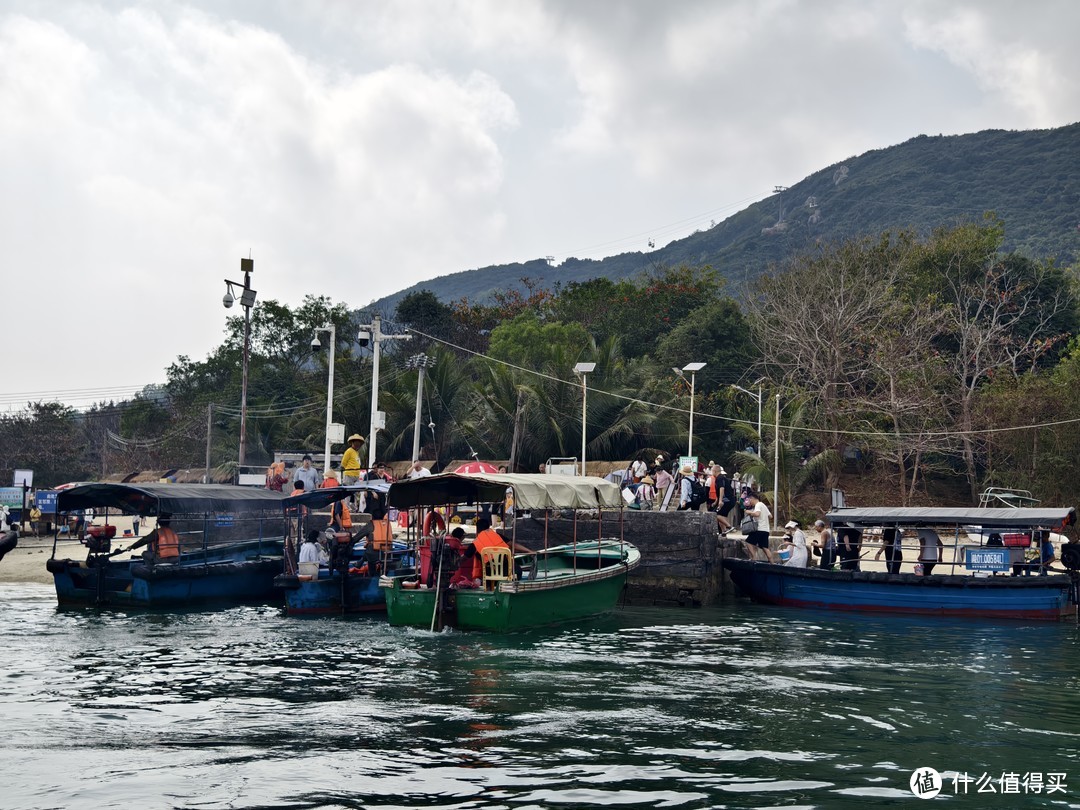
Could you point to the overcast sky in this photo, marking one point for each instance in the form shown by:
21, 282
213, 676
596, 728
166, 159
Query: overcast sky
356, 148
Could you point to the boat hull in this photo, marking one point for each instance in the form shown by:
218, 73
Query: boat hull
234, 578
1038, 598
571, 595
325, 596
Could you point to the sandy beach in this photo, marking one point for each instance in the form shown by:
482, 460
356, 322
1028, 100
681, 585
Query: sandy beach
26, 562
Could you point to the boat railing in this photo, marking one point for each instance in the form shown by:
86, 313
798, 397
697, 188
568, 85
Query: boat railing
960, 542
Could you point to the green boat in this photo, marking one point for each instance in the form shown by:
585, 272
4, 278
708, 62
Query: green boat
560, 583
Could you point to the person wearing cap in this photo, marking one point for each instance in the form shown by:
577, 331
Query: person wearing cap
795, 540
307, 476
725, 499
330, 480
350, 460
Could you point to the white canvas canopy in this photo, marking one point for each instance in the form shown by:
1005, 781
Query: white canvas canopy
530, 491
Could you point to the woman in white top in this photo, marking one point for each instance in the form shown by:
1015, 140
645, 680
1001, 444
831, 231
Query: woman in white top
309, 551
797, 545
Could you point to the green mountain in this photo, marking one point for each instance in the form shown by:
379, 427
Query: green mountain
1030, 179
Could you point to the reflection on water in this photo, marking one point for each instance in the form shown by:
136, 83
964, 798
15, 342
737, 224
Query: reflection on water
738, 706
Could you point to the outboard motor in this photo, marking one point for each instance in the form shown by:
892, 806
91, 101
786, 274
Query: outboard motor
98, 539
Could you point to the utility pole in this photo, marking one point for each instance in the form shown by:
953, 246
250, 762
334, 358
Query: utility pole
780, 190
419, 362
209, 427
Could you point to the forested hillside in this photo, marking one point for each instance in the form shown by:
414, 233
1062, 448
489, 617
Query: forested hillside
1030, 179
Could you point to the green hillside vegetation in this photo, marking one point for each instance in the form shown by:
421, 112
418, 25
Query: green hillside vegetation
924, 363
1030, 179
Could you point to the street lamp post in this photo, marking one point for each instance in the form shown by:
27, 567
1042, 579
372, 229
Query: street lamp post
693, 368
757, 397
776, 462
247, 301
315, 345
373, 332
419, 362
582, 370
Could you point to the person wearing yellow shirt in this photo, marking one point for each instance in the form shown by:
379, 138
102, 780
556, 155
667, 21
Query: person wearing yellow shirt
350, 460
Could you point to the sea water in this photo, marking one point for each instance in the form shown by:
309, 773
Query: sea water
738, 706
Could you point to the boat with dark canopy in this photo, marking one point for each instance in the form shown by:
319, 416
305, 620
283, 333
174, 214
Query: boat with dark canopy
230, 546
348, 581
558, 583
979, 582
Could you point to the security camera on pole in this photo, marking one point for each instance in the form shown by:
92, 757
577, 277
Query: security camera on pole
373, 332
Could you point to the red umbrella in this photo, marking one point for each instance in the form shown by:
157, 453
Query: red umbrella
477, 467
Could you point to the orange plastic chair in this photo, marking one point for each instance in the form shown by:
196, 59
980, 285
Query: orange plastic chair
498, 566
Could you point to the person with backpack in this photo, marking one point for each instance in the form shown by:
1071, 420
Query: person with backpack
692, 493
686, 475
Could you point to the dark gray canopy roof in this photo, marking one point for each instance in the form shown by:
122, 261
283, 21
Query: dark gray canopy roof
318, 498
946, 516
155, 499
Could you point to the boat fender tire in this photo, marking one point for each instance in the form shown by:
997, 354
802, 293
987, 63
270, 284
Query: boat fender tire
54, 566
434, 518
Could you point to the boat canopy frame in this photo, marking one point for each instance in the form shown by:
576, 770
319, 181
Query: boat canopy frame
913, 516
534, 491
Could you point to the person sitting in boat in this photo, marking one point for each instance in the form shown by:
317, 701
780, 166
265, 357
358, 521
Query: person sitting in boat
796, 545
931, 550
890, 545
164, 542
825, 543
462, 577
487, 537
309, 550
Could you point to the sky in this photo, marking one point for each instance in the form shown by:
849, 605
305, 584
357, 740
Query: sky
353, 148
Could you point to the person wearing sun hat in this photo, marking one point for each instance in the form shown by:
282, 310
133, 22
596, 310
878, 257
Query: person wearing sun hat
687, 473
646, 493
350, 460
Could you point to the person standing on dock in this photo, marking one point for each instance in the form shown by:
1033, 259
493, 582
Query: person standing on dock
350, 460
307, 475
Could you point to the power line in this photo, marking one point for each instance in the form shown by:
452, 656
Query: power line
790, 428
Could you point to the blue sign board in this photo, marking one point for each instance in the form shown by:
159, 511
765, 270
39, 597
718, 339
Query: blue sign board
987, 559
46, 501
223, 520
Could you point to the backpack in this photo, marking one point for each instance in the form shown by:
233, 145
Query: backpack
698, 493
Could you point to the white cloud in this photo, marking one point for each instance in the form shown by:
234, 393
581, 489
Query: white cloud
359, 147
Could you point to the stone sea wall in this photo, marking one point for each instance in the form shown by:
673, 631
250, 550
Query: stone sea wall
681, 552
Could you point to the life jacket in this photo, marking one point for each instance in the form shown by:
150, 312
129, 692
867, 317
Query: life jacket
168, 542
342, 509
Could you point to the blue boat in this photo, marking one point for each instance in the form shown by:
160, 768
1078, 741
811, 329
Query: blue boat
967, 590
348, 580
231, 542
